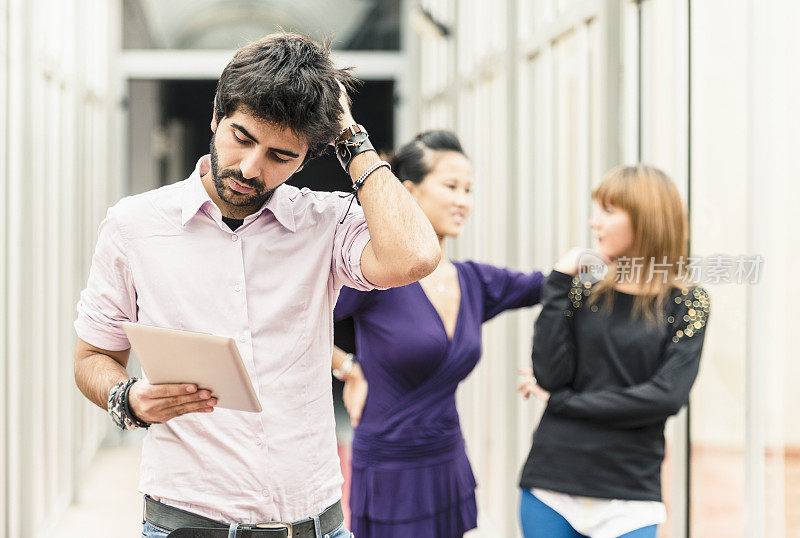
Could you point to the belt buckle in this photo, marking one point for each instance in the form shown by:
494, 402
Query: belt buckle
275, 525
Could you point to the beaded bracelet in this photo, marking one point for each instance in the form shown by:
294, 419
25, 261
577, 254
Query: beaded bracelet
357, 184
363, 177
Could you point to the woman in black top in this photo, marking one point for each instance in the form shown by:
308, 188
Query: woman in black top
614, 356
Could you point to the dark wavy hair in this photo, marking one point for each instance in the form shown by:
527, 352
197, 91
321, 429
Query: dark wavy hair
290, 81
416, 159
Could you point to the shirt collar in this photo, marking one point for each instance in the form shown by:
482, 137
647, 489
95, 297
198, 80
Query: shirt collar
196, 198
281, 206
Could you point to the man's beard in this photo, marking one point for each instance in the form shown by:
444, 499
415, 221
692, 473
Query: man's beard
257, 198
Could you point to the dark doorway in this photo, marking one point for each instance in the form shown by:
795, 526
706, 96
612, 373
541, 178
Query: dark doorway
185, 114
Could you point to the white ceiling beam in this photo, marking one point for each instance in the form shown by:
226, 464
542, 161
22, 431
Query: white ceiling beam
208, 64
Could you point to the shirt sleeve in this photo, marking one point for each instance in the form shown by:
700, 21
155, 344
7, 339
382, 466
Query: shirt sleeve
350, 301
110, 296
504, 289
662, 395
553, 354
349, 241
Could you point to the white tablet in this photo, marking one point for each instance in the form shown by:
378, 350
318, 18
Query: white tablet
210, 362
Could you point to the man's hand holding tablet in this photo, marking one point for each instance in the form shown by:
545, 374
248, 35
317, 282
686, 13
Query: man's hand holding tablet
159, 403
187, 372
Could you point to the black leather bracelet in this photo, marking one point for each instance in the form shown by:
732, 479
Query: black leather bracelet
128, 412
352, 141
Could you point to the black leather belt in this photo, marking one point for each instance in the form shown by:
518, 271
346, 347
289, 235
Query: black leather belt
183, 524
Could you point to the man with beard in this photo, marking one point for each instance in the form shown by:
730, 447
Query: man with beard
232, 250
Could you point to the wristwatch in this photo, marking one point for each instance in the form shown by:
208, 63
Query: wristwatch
352, 141
344, 369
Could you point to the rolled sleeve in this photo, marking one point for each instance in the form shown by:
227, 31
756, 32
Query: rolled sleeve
349, 241
110, 296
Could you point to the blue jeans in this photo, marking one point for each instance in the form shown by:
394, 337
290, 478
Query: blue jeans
151, 531
540, 521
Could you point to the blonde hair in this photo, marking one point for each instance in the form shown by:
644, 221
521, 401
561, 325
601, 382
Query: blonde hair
660, 234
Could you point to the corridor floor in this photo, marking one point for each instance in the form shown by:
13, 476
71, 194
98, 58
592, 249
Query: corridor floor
108, 503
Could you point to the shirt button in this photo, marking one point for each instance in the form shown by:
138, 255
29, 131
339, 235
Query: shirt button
237, 287
265, 493
242, 339
234, 237
258, 441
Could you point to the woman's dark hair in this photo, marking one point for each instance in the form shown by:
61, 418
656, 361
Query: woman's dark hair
415, 160
289, 80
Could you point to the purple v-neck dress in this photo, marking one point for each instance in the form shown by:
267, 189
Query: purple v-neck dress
410, 472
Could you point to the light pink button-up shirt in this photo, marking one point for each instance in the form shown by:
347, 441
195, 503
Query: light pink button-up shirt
165, 258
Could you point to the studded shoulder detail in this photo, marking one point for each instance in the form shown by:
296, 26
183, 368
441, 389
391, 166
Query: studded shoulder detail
694, 306
578, 293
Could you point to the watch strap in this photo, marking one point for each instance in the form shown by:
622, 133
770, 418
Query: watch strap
349, 132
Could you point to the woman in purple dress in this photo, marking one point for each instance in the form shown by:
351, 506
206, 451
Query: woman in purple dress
415, 344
